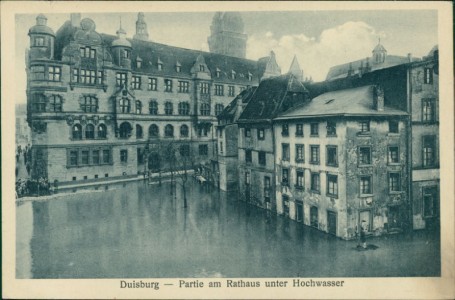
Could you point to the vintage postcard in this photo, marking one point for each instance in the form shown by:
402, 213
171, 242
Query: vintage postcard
227, 150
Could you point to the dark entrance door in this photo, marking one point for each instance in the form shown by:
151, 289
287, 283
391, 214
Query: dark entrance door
299, 212
332, 222
314, 217
394, 218
286, 205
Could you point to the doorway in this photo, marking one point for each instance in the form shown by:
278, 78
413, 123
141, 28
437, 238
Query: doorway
365, 215
299, 211
332, 222
314, 217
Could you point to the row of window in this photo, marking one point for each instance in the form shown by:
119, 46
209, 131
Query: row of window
89, 157
365, 182
183, 86
50, 73
183, 108
125, 130
89, 132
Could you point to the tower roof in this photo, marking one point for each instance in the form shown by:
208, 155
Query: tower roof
41, 26
227, 21
121, 38
295, 69
379, 47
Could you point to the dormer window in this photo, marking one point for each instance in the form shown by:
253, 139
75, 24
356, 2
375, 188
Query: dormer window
218, 73
126, 53
178, 69
160, 67
250, 76
138, 64
233, 74
201, 68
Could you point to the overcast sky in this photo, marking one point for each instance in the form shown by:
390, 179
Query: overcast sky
320, 39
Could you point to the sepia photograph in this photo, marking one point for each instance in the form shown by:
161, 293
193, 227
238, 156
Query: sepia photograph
228, 148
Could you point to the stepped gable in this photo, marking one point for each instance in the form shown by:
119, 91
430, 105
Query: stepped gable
269, 97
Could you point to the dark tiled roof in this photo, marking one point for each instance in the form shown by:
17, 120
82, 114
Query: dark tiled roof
170, 56
230, 111
342, 70
348, 102
270, 96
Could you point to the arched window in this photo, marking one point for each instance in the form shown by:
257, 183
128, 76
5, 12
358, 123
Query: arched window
218, 109
125, 106
55, 103
125, 130
168, 108
154, 131
169, 130
102, 131
184, 108
153, 107
90, 132
139, 133
205, 109
138, 107
77, 132
184, 130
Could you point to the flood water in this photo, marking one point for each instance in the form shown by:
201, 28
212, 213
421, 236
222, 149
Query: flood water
137, 230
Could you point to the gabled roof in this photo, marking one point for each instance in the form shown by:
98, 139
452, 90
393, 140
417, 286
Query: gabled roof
348, 102
268, 99
230, 111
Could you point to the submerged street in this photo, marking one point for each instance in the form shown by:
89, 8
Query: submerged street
139, 230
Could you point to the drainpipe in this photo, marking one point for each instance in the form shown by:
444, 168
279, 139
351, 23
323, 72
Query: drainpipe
274, 164
409, 143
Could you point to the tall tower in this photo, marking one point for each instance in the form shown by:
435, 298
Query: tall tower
141, 28
227, 34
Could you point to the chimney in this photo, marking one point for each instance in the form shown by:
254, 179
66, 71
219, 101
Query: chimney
378, 98
409, 57
75, 19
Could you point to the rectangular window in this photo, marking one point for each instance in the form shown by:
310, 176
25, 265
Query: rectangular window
261, 134
332, 185
100, 77
219, 89
106, 156
285, 153
184, 86
247, 178
315, 182
314, 151
393, 126
123, 155
221, 147
205, 88
261, 158
430, 201
96, 157
120, 79
429, 150
92, 53
248, 156
299, 130
168, 85
394, 182
84, 157
39, 41
428, 76
54, 73
299, 153
73, 158
152, 84
285, 177
365, 185
39, 103
285, 130
231, 90
75, 75
136, 83
332, 156
364, 156
364, 126
428, 110
314, 129
203, 149
247, 132
38, 72
394, 157
331, 128
300, 182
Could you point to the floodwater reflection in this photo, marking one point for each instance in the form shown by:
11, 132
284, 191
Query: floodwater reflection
142, 231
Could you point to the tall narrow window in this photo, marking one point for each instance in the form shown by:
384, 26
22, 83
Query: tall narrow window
285, 130
125, 105
285, 155
120, 79
364, 155
205, 109
394, 182
331, 128
428, 110
218, 108
299, 153
138, 107
365, 185
96, 157
73, 158
89, 131
231, 91
39, 103
184, 86
429, 150
205, 88
124, 156
106, 156
248, 156
169, 130
299, 130
314, 129
394, 157
428, 76
55, 103
153, 107
261, 158
139, 132
315, 182
314, 151
168, 108
184, 108
102, 131
168, 85
267, 189
84, 157
300, 181
219, 89
332, 185
285, 177
184, 130
136, 83
261, 133
152, 85
332, 156
153, 130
